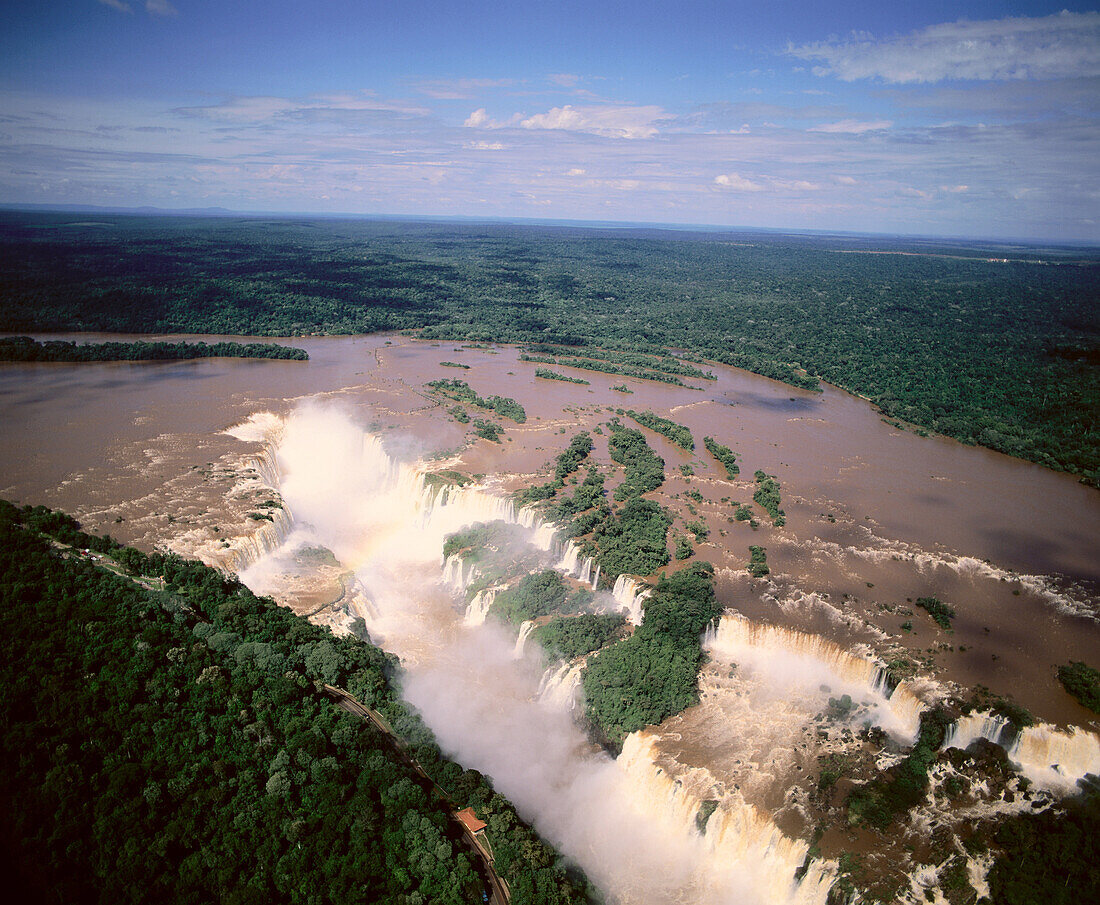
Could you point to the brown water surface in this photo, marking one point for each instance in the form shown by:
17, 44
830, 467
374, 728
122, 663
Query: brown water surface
876, 516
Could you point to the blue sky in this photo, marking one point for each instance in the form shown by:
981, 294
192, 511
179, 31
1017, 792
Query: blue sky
962, 118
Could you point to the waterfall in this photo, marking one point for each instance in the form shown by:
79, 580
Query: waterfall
267, 467
545, 534
740, 841
455, 574
479, 607
626, 822
1051, 758
585, 575
248, 549
560, 684
568, 563
630, 594
525, 630
796, 663
1055, 759
973, 726
586, 571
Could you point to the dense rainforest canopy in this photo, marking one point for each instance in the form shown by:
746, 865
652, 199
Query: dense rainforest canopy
23, 348
165, 736
992, 345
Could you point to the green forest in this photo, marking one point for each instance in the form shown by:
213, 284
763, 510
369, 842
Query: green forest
166, 736
993, 346
23, 348
653, 674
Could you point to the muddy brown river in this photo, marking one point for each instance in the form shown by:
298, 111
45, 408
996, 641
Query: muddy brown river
875, 515
876, 518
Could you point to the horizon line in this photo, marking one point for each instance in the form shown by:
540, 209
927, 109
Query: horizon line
218, 211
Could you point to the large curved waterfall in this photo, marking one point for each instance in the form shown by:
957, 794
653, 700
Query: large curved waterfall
815, 669
491, 702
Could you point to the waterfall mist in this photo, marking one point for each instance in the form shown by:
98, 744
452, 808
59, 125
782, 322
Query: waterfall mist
625, 822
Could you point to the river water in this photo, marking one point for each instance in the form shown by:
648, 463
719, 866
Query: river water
876, 517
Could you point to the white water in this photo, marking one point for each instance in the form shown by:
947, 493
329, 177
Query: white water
630, 595
250, 548
798, 666
568, 563
973, 726
1051, 758
525, 630
620, 819
560, 685
585, 574
1072, 602
745, 846
585, 571
1054, 759
479, 607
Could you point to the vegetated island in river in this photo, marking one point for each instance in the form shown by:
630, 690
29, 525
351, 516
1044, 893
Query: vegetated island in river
23, 348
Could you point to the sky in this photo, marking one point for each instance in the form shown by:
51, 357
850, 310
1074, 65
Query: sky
974, 118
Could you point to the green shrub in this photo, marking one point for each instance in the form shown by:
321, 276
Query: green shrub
1083, 682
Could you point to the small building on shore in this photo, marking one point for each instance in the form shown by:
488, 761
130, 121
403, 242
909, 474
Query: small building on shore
470, 821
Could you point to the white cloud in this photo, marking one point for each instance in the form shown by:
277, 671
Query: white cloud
576, 171
118, 4
1066, 45
853, 126
564, 79
737, 183
259, 109
483, 146
797, 185
910, 192
477, 119
611, 122
459, 89
160, 8
844, 180
955, 189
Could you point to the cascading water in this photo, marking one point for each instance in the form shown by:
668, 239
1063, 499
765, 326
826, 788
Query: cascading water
568, 563
585, 574
630, 595
1055, 759
525, 630
483, 704
790, 662
560, 685
248, 549
1051, 758
479, 607
743, 843
455, 573
969, 728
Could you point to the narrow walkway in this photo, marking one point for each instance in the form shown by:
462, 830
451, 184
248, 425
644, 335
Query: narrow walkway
479, 847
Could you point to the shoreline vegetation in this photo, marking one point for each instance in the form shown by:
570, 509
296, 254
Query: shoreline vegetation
168, 731
23, 348
1001, 355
